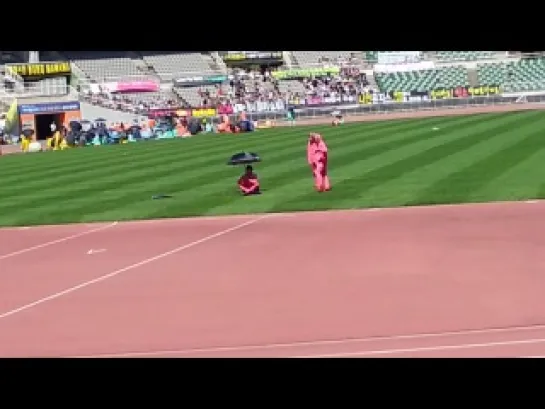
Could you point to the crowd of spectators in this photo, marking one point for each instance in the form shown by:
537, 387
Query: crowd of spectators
342, 87
246, 90
255, 90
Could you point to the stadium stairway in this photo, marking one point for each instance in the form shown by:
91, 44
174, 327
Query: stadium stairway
143, 67
212, 63
372, 82
290, 60
473, 77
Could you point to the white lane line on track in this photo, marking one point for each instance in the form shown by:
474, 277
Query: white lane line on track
437, 348
104, 277
317, 343
52, 242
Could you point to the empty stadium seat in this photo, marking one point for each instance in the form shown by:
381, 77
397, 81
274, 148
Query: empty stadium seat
110, 65
464, 55
422, 80
371, 56
167, 65
293, 86
523, 75
492, 74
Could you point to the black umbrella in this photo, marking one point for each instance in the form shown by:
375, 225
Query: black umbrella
28, 132
100, 120
244, 158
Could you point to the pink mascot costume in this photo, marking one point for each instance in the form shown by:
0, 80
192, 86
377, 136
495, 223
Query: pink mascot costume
317, 156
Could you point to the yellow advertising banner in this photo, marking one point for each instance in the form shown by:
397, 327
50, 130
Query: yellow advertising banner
203, 112
41, 69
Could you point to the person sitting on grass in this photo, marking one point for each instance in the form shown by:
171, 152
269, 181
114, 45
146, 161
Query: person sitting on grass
248, 183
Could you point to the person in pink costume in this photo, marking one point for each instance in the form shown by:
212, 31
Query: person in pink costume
319, 157
310, 152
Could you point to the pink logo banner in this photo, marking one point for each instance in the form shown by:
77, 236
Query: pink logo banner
315, 100
137, 86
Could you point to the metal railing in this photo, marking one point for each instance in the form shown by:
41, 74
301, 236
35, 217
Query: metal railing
522, 86
171, 76
390, 108
354, 109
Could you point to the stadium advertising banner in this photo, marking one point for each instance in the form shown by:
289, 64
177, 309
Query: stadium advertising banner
200, 80
465, 92
45, 69
392, 97
37, 109
158, 112
203, 112
305, 73
319, 101
125, 86
248, 56
180, 112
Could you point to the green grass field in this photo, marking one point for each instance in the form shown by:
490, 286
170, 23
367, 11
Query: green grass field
469, 159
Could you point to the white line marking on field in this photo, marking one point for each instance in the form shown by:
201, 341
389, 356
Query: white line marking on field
61, 240
429, 349
531, 201
130, 267
320, 343
92, 251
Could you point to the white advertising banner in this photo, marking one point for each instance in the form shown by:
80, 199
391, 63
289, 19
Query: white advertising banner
396, 57
415, 66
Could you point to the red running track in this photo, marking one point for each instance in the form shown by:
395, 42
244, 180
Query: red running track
446, 281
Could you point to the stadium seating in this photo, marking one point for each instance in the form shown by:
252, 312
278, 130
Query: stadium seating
464, 55
113, 64
312, 58
371, 56
293, 86
523, 75
423, 80
492, 74
137, 97
168, 64
191, 94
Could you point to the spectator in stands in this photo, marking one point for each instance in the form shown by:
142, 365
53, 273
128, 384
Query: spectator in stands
253, 91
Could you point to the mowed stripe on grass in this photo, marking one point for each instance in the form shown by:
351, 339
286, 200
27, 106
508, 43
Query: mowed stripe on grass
480, 157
